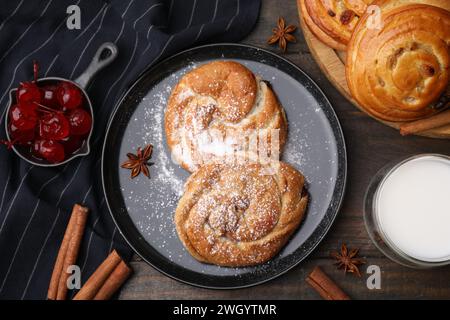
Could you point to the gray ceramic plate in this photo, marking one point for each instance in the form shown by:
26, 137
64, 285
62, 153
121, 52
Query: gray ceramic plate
143, 208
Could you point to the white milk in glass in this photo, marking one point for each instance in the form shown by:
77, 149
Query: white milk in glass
412, 208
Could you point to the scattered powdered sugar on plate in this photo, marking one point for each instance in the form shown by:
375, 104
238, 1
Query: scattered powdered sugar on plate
154, 127
151, 203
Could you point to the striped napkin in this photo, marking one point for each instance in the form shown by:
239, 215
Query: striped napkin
35, 202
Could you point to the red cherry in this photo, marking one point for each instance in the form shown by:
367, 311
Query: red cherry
69, 96
23, 116
80, 122
49, 96
28, 92
50, 150
21, 136
54, 126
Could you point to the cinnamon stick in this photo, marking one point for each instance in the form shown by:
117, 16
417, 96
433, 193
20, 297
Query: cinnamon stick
114, 282
436, 121
325, 286
99, 277
68, 253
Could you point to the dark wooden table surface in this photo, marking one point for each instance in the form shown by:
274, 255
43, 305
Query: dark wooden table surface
370, 145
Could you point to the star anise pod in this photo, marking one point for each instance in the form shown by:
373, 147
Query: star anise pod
282, 34
138, 162
347, 260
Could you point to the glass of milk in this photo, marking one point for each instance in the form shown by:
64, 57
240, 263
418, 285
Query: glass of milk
407, 211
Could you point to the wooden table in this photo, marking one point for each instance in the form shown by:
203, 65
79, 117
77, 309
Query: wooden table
370, 145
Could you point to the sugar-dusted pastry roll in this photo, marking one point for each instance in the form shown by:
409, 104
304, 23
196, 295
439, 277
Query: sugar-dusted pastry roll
220, 108
240, 215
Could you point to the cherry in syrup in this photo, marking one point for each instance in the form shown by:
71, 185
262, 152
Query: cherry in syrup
21, 136
50, 150
54, 126
69, 96
80, 122
28, 92
24, 116
49, 98
49, 118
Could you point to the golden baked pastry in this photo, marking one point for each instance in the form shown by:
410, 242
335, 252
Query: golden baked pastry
221, 107
397, 71
333, 21
238, 215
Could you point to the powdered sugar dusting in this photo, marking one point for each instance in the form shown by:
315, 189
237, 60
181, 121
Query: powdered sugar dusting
151, 203
154, 130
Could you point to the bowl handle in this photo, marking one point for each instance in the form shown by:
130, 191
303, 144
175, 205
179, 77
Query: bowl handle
105, 54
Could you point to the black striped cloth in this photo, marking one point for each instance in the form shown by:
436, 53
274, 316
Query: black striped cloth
35, 202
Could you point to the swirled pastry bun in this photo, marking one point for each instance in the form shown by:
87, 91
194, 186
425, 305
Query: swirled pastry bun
333, 21
220, 107
238, 215
398, 70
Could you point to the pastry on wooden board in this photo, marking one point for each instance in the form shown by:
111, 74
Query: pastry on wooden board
399, 71
238, 215
333, 21
226, 98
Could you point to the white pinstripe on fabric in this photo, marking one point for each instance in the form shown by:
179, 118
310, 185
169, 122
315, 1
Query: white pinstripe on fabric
90, 188
122, 74
39, 256
147, 48
28, 225
212, 20
120, 33
23, 179
87, 193
51, 65
89, 41
172, 36
92, 231
215, 11
4, 190
149, 29
51, 229
146, 11
199, 32
115, 42
112, 238
149, 45
192, 14
232, 19
11, 15
26, 31
24, 59
60, 197
117, 81
128, 7
43, 186
14, 197
164, 48
78, 37
95, 223
170, 10
83, 265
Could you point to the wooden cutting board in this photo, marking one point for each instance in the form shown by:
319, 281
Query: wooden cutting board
331, 62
